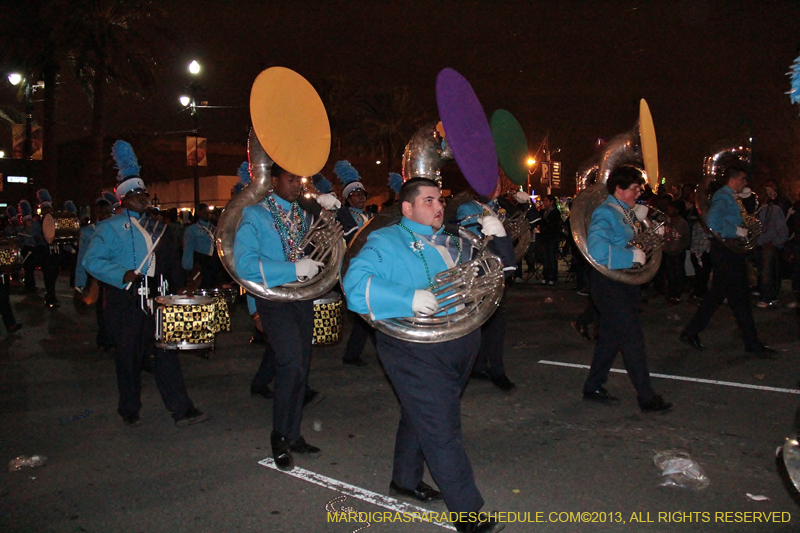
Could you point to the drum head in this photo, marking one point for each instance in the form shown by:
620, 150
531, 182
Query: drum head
49, 227
290, 121
468, 132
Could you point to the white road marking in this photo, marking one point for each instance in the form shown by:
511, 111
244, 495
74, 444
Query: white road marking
381, 500
684, 378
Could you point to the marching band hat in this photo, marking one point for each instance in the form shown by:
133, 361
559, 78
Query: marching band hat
128, 166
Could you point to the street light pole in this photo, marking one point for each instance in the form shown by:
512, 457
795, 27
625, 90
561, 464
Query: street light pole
196, 158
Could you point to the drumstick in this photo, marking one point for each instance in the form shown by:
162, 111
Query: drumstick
26, 256
146, 257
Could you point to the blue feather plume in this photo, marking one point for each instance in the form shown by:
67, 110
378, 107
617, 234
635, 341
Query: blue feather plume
43, 195
321, 183
794, 74
110, 197
127, 164
11, 212
346, 173
70, 207
25, 208
244, 173
395, 182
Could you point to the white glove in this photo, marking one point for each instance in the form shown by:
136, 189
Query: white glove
522, 197
307, 268
660, 231
492, 226
329, 201
790, 212
639, 256
640, 211
741, 232
424, 303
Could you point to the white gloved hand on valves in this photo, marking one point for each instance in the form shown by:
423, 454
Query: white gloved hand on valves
492, 226
639, 257
307, 268
424, 302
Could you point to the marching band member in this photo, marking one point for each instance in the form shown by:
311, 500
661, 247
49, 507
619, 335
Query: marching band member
121, 252
729, 270
474, 216
352, 218
101, 212
50, 254
392, 276
7, 313
10, 231
29, 236
614, 223
266, 251
326, 198
199, 252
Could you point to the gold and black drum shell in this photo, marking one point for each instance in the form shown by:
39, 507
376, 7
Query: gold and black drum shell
328, 319
10, 256
60, 226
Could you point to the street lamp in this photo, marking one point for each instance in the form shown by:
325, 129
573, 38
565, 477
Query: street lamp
186, 101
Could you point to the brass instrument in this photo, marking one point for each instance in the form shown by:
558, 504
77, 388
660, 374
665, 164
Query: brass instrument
289, 122
635, 147
724, 155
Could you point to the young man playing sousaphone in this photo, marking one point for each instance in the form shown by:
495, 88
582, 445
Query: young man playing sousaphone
266, 251
393, 276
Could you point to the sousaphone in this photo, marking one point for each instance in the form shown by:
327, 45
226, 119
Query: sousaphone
469, 300
291, 128
724, 155
636, 147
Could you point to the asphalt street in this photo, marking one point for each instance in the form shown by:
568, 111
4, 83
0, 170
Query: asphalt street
540, 449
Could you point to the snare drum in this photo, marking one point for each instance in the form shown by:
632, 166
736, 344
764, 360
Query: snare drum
327, 319
226, 293
185, 322
10, 256
60, 226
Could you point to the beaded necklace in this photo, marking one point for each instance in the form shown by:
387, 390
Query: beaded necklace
291, 228
417, 246
630, 216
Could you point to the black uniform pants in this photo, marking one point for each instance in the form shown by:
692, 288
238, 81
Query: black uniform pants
428, 380
358, 338
104, 337
135, 338
51, 262
729, 281
620, 330
493, 335
289, 327
266, 370
5, 304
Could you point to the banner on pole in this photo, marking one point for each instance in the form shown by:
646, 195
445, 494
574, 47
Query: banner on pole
556, 169
18, 141
196, 151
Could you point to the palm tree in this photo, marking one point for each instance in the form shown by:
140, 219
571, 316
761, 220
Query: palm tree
112, 44
386, 121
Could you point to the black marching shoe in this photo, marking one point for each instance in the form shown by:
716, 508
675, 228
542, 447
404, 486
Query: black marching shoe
132, 420
302, 447
503, 383
423, 493
600, 395
264, 392
692, 340
763, 351
655, 405
481, 526
193, 416
311, 398
280, 451
582, 330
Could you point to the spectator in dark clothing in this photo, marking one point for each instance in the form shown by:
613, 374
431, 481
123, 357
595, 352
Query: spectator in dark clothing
676, 240
549, 238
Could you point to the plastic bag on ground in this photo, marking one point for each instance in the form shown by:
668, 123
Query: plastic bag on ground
23, 460
678, 469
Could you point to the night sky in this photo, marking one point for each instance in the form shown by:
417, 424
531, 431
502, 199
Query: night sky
574, 70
